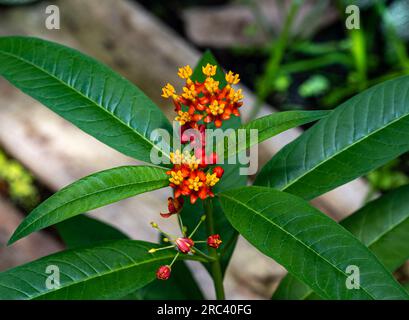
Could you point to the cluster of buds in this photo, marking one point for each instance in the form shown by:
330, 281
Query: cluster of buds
194, 173
205, 100
184, 245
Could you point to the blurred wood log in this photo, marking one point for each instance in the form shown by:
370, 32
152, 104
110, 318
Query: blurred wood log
29, 248
137, 45
256, 23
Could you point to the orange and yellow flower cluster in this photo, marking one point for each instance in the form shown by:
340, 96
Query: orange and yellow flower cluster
199, 104
189, 178
205, 100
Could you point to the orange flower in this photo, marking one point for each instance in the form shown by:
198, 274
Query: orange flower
187, 178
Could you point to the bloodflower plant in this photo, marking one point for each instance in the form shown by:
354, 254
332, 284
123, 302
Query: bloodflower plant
209, 201
192, 175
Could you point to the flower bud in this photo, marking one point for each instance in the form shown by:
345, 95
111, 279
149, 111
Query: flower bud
218, 171
163, 273
184, 244
214, 241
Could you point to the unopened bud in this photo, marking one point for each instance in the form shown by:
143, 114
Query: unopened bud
218, 171
184, 244
214, 241
163, 273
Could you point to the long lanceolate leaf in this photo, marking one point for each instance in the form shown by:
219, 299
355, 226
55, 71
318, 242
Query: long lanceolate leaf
83, 91
81, 231
360, 135
106, 271
92, 192
272, 125
310, 245
382, 225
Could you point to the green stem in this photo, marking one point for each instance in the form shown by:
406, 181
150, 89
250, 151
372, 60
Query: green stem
202, 254
197, 257
216, 269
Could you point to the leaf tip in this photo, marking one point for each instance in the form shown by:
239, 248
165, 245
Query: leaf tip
12, 240
15, 237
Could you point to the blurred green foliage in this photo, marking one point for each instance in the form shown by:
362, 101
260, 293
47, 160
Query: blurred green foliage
314, 86
17, 183
347, 61
387, 177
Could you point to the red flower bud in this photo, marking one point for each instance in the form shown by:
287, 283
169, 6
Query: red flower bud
218, 171
184, 244
163, 273
214, 241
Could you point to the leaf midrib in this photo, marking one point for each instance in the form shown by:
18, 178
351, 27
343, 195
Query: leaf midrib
267, 128
85, 97
295, 238
99, 275
385, 233
343, 150
86, 196
373, 242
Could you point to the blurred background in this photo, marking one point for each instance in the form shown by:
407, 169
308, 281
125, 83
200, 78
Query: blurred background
291, 54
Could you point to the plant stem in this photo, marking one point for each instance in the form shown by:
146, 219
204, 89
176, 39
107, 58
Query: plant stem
205, 256
216, 269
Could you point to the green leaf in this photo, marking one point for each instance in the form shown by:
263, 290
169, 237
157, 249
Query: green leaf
81, 231
84, 92
364, 133
94, 191
85, 231
310, 245
106, 271
382, 225
231, 179
272, 125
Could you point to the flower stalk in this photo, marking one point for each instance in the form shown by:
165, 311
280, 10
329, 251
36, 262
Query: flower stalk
215, 265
